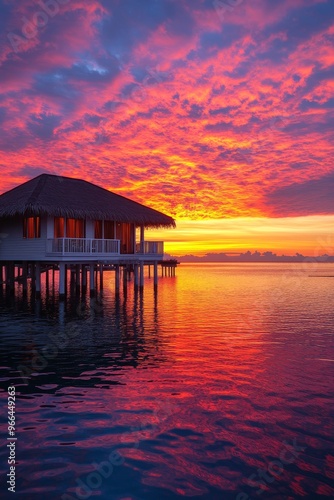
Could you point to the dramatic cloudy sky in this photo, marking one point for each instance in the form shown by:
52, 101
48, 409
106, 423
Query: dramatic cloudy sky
219, 113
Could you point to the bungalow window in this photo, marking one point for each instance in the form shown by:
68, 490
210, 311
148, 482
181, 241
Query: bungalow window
75, 228
109, 230
59, 227
98, 228
31, 227
125, 233
104, 229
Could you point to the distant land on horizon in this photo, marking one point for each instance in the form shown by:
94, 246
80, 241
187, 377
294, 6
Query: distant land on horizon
251, 257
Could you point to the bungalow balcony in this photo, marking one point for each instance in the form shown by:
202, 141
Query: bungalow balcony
106, 248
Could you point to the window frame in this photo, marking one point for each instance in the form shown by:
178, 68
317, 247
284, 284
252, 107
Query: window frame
31, 227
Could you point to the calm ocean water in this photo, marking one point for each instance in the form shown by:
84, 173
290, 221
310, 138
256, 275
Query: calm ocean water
220, 386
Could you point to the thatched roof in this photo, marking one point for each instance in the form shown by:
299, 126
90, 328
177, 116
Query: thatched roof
75, 198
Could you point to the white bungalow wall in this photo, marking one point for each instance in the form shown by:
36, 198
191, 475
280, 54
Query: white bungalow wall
14, 247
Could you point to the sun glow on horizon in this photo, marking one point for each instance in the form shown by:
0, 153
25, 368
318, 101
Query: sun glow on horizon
311, 236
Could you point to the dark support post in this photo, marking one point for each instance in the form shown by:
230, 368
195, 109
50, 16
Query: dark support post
77, 278
101, 276
92, 280
6, 274
155, 273
11, 277
136, 275
67, 268
62, 280
47, 282
24, 277
117, 279
33, 275
125, 279
38, 280
84, 277
141, 275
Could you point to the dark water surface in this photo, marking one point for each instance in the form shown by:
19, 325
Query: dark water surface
220, 386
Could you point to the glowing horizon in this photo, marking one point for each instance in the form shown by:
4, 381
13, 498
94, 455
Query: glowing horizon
210, 115
314, 234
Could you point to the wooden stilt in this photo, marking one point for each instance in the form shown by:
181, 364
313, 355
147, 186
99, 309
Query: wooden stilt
62, 280
92, 280
77, 278
136, 275
66, 278
101, 276
33, 275
38, 279
155, 273
117, 279
11, 273
125, 279
6, 277
141, 283
72, 280
84, 277
47, 281
24, 277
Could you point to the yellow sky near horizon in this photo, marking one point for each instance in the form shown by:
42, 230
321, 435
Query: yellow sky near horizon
311, 236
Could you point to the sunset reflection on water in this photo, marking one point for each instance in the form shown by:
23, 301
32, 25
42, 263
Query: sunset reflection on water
197, 387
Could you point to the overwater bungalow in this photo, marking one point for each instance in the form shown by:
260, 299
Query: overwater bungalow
62, 221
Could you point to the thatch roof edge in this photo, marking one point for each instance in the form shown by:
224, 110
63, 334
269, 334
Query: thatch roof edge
34, 210
43, 196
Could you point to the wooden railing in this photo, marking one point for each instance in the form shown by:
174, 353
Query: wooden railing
88, 246
150, 247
